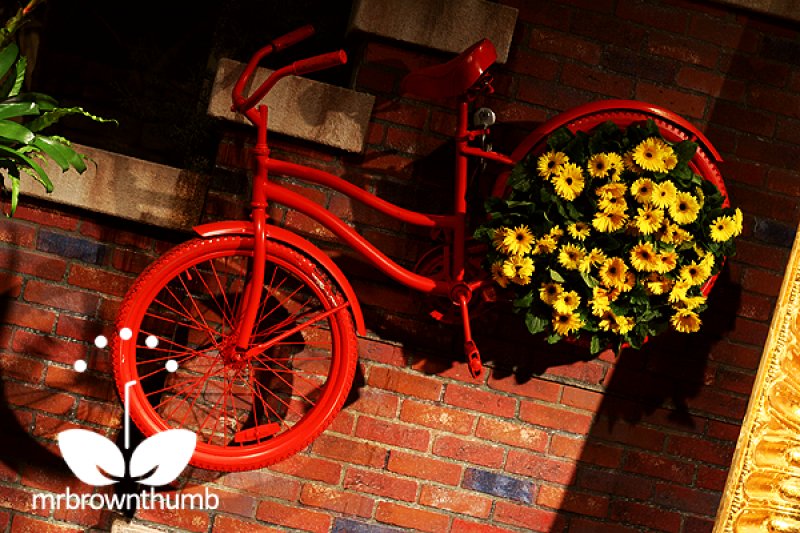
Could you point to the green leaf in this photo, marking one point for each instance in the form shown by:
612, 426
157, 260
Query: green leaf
40, 174
51, 117
559, 138
524, 302
19, 76
18, 109
14, 191
555, 276
8, 55
554, 338
685, 151
61, 154
535, 324
594, 346
589, 280
15, 132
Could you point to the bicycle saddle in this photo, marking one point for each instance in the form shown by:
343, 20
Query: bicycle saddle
453, 78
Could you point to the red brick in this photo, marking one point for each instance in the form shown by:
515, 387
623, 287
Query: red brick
46, 400
412, 518
659, 467
69, 380
511, 433
355, 452
91, 518
16, 232
711, 83
711, 478
311, 468
679, 102
61, 297
336, 500
586, 525
533, 388
760, 255
456, 501
185, 519
693, 524
564, 44
49, 427
405, 383
749, 332
747, 357
645, 515
572, 501
588, 372
376, 79
308, 226
743, 171
539, 467
28, 316
527, 517
99, 280
79, 328
463, 526
18, 499
263, 483
653, 16
687, 499
381, 484
130, 261
24, 524
230, 524
480, 400
405, 436
767, 151
100, 413
597, 453
434, 416
683, 49
551, 95
608, 29
512, 111
739, 117
46, 217
555, 418
391, 163
424, 467
412, 141
582, 399
470, 451
293, 517
401, 113
592, 79
723, 431
10, 285
47, 347
21, 368
534, 64
788, 130
776, 100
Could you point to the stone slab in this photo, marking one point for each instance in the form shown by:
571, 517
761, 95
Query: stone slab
447, 25
788, 9
127, 187
120, 526
299, 107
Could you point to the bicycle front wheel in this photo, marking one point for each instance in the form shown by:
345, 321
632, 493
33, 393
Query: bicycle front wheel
249, 408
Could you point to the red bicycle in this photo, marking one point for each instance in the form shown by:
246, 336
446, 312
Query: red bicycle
262, 324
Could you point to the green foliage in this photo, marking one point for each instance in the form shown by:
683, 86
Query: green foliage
23, 117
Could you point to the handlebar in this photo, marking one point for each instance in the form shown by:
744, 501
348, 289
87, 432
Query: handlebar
303, 66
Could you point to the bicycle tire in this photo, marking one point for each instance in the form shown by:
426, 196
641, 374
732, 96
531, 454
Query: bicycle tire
280, 398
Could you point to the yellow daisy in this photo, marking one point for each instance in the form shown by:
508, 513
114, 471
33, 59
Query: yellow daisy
624, 324
599, 166
684, 209
600, 302
612, 204
549, 163
556, 232
549, 292
630, 281
613, 273
669, 158
630, 164
593, 258
678, 291
566, 323
545, 245
608, 321
518, 269
648, 220
615, 165
737, 222
644, 258
570, 256
498, 238
657, 284
611, 189
667, 261
567, 302
663, 194
498, 274
608, 222
649, 155
692, 302
568, 181
519, 240
642, 190
694, 273
685, 321
723, 228
579, 230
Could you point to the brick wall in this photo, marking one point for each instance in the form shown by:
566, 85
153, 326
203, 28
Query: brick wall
550, 440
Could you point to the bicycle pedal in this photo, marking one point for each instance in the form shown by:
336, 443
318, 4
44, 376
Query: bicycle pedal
259, 432
473, 359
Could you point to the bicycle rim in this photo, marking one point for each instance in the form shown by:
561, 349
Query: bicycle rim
248, 408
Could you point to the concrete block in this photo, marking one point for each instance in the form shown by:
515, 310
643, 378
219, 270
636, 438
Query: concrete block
300, 107
127, 187
447, 25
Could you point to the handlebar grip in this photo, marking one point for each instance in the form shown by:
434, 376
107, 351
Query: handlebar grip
293, 37
320, 62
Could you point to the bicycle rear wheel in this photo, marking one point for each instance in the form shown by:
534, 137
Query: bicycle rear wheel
248, 408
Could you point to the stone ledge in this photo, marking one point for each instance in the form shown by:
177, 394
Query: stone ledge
300, 107
787, 9
447, 25
127, 187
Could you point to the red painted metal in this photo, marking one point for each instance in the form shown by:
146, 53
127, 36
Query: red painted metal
453, 78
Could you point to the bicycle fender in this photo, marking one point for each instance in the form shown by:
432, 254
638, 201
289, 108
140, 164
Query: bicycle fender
243, 227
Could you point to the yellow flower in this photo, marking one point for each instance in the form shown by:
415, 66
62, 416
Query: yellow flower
498, 238
600, 302
594, 258
630, 282
667, 261
550, 292
694, 274
737, 221
624, 324
498, 274
518, 269
556, 232
599, 166
566, 323
644, 258
669, 158
570, 256
680, 235
568, 181
657, 284
519, 240
684, 209
668, 232
549, 163
663, 194
723, 228
545, 245
611, 189
692, 302
630, 164
615, 166
648, 220
613, 273
685, 321
567, 302
578, 230
608, 222
649, 155
612, 204
678, 291
642, 190
608, 321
